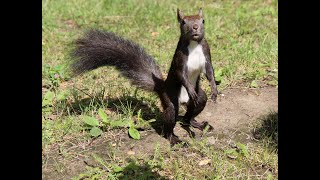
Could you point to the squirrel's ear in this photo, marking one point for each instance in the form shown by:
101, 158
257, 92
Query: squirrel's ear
180, 15
200, 12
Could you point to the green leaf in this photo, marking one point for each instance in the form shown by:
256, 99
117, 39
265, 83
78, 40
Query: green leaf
91, 121
117, 168
49, 96
103, 115
254, 84
95, 131
218, 79
62, 95
219, 72
231, 153
261, 73
46, 102
134, 133
119, 123
218, 75
243, 149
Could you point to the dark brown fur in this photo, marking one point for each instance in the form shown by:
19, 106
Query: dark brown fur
178, 76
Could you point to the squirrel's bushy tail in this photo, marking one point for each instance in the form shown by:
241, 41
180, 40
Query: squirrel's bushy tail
97, 48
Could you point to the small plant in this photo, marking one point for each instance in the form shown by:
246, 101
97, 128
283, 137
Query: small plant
96, 127
55, 75
140, 123
134, 125
112, 123
254, 84
47, 102
238, 150
48, 99
242, 149
218, 75
158, 160
91, 173
133, 132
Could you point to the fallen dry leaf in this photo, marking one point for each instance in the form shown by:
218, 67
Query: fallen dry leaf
131, 153
204, 162
154, 34
232, 157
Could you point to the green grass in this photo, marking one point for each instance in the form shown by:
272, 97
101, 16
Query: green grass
243, 37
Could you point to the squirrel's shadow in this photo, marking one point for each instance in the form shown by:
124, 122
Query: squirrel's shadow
268, 130
139, 171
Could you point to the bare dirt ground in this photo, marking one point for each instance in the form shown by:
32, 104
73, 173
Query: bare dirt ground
233, 118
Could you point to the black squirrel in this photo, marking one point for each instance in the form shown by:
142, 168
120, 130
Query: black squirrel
192, 56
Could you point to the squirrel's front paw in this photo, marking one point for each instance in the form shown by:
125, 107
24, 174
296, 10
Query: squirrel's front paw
194, 97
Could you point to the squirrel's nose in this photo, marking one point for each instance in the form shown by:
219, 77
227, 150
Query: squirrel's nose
195, 26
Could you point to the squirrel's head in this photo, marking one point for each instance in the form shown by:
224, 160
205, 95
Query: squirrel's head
192, 27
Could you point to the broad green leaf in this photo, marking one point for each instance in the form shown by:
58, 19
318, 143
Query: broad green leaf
46, 102
49, 96
134, 133
218, 79
91, 121
95, 131
103, 115
117, 168
218, 75
219, 72
254, 84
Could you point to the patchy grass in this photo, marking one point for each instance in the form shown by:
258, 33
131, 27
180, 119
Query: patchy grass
243, 37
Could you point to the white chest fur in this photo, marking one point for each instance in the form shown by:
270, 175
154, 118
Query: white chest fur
196, 65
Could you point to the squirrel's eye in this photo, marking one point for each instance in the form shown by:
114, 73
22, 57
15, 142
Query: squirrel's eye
183, 22
203, 21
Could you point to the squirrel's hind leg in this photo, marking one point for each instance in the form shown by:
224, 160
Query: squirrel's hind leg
170, 114
193, 111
